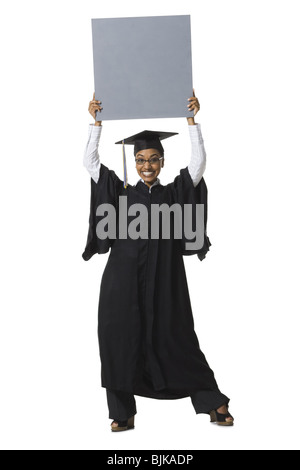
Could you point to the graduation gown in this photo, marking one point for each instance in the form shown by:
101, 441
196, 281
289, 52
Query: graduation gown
148, 345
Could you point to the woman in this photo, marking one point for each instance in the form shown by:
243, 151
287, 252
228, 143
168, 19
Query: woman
148, 346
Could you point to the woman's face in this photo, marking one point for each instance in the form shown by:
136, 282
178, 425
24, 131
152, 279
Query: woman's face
149, 172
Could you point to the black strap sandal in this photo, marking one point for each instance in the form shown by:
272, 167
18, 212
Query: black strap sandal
123, 425
220, 419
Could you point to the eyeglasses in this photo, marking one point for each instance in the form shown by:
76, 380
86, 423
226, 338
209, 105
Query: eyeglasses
152, 161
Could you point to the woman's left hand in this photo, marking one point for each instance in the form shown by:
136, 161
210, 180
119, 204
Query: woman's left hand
194, 104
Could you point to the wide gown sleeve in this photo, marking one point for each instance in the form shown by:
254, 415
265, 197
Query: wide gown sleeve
105, 191
184, 192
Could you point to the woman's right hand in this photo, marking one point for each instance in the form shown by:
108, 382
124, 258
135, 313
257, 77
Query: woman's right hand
94, 106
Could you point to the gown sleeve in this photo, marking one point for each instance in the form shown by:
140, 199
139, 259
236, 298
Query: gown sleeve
184, 192
105, 191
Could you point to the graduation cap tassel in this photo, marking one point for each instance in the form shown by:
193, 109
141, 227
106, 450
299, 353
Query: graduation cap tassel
124, 166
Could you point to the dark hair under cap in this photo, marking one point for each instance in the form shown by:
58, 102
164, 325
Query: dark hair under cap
148, 144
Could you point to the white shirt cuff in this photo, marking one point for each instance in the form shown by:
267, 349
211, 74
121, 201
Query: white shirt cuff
195, 133
94, 132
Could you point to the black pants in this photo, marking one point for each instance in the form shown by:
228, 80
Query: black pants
122, 405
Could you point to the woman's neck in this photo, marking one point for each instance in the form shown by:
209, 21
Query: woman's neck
151, 183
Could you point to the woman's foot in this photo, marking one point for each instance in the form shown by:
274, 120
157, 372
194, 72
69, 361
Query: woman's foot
223, 410
221, 416
117, 426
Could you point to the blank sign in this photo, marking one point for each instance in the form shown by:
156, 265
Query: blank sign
143, 67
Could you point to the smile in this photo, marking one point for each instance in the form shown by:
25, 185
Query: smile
147, 173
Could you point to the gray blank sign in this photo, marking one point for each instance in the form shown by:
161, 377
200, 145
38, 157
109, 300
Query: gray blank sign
143, 67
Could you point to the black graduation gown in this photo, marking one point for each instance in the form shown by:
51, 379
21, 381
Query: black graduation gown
148, 345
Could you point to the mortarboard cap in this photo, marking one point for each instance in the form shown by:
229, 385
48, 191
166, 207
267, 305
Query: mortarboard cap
147, 140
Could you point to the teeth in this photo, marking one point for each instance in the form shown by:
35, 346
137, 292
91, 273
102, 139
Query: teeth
148, 173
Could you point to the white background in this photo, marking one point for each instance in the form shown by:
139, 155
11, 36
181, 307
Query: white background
245, 295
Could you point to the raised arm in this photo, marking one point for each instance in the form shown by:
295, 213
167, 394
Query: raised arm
197, 164
91, 159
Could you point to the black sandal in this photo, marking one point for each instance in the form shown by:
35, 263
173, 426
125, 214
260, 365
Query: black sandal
220, 419
123, 425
